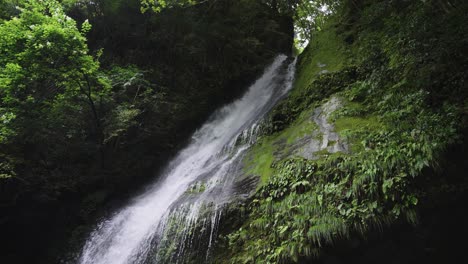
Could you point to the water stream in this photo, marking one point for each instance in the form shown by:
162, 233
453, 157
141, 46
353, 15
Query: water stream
182, 210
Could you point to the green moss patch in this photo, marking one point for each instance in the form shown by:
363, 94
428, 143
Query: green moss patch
394, 134
260, 159
325, 52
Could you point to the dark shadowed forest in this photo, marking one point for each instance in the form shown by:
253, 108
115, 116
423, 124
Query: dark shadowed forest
233, 131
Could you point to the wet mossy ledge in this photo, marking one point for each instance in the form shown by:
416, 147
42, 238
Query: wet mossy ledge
361, 141
70, 157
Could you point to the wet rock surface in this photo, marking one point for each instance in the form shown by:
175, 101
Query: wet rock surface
330, 140
321, 141
325, 139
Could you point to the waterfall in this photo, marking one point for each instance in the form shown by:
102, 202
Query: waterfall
186, 203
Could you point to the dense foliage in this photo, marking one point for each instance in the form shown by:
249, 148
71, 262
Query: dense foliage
45, 51
95, 96
402, 107
308, 15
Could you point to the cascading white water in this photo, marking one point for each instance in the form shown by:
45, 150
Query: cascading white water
200, 177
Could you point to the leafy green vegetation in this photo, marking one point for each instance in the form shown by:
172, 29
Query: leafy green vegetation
299, 107
396, 123
96, 96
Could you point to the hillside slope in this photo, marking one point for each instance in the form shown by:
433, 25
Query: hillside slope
370, 138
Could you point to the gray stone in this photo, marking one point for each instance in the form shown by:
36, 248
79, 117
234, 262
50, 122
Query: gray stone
326, 138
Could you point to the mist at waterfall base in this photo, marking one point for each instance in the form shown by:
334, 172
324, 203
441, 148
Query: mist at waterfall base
181, 211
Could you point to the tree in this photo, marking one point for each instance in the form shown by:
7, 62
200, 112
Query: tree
308, 15
47, 80
159, 5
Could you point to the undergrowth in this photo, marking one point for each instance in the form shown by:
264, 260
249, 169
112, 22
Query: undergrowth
395, 122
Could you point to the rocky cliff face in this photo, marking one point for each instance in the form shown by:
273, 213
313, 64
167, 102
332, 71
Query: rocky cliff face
353, 149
